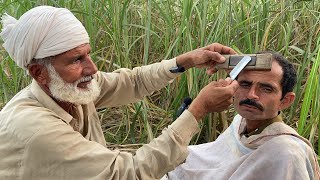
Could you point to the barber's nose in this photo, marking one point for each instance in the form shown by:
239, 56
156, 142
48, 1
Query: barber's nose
89, 67
252, 94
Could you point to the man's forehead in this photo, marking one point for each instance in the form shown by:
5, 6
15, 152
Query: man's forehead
274, 75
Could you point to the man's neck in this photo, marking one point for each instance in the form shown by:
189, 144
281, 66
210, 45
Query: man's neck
65, 105
256, 126
252, 125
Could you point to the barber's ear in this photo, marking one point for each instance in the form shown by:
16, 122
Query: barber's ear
39, 72
287, 100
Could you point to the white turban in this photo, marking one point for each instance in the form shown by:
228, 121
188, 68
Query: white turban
41, 32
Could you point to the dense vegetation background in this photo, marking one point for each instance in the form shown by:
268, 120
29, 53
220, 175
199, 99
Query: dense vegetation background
129, 33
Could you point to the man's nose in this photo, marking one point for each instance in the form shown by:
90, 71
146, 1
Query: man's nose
89, 67
252, 94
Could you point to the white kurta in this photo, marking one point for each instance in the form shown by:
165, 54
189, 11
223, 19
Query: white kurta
278, 152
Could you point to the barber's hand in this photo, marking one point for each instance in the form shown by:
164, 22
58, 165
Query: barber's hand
207, 56
215, 97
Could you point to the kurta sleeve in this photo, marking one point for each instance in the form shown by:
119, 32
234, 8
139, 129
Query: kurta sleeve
125, 86
58, 152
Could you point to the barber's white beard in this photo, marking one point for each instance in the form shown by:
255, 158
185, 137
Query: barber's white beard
69, 92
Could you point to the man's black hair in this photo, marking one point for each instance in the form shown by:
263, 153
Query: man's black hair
289, 77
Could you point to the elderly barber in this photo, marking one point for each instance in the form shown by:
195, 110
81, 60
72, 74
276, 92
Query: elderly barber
51, 130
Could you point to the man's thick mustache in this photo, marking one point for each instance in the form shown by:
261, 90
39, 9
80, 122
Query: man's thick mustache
252, 102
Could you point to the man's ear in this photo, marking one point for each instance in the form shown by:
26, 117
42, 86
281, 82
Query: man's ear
39, 72
287, 100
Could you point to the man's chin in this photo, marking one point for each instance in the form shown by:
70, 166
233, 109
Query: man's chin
78, 96
247, 114
253, 116
79, 100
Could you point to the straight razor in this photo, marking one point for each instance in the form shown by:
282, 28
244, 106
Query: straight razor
238, 68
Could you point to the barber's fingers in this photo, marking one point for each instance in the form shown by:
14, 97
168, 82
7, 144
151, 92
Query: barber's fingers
216, 47
233, 86
211, 70
206, 58
224, 49
211, 66
227, 86
214, 57
223, 82
226, 81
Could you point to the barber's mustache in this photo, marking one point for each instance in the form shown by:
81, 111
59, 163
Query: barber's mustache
252, 102
83, 79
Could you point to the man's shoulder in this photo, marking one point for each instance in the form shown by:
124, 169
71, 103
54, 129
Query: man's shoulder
283, 137
287, 145
24, 115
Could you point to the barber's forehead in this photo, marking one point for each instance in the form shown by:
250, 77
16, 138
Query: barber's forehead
78, 49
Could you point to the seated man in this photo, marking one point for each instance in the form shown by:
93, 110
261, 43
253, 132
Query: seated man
258, 144
51, 130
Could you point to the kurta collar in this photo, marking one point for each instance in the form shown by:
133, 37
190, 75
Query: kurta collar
48, 102
261, 128
276, 128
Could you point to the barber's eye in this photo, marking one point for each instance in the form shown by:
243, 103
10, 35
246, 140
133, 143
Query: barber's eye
76, 61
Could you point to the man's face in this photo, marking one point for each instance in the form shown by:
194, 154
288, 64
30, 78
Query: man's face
259, 93
71, 76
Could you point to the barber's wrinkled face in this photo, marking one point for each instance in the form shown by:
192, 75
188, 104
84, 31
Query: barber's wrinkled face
259, 94
71, 77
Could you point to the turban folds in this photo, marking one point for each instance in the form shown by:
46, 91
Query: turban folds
41, 32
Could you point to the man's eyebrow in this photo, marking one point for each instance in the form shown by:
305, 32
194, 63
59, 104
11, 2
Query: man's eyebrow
267, 85
245, 81
263, 84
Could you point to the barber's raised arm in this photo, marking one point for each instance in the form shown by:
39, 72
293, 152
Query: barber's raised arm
125, 86
207, 57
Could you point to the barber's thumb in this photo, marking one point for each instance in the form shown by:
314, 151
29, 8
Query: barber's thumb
228, 79
234, 85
